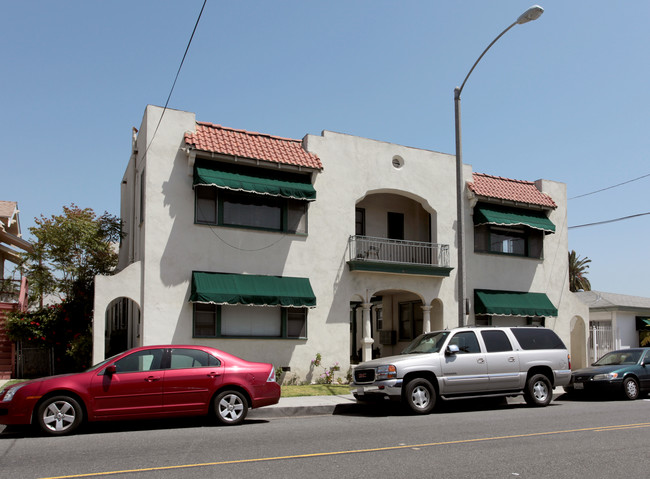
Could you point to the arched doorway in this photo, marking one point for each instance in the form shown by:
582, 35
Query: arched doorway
122, 329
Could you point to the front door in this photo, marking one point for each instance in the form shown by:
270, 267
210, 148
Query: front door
465, 371
135, 389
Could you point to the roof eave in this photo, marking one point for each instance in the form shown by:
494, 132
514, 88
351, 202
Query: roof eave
257, 162
513, 203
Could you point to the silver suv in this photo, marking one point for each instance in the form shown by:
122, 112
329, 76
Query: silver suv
465, 363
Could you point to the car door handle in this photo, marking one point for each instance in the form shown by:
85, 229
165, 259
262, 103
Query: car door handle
480, 360
213, 374
152, 379
511, 359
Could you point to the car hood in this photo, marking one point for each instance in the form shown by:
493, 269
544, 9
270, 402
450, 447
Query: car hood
392, 359
590, 371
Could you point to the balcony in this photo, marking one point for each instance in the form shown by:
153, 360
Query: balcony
383, 255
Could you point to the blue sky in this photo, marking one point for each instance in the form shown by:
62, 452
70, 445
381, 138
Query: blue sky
563, 98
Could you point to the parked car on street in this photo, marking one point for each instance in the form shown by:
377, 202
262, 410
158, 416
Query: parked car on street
625, 372
465, 363
145, 382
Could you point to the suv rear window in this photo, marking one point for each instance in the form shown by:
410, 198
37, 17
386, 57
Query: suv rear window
537, 338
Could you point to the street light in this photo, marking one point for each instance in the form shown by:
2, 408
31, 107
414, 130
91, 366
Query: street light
533, 13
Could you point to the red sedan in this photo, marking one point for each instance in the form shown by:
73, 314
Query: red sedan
145, 382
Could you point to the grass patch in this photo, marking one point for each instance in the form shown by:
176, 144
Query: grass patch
315, 390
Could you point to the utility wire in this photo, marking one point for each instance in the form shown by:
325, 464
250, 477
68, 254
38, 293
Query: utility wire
610, 187
609, 221
187, 48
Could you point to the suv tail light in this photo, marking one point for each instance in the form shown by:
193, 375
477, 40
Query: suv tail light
568, 358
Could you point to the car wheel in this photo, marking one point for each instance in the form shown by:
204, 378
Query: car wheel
630, 389
59, 415
538, 391
230, 407
420, 396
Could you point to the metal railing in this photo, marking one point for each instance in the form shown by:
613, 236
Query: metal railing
384, 250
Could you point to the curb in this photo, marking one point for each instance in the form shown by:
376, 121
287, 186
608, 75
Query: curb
337, 405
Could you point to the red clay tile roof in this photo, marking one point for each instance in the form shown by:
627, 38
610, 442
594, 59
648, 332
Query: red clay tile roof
509, 190
246, 144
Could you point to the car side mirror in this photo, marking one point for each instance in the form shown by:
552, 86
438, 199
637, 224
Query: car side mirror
110, 370
452, 349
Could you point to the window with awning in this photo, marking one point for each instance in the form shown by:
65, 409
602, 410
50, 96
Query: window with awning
255, 198
237, 306
512, 303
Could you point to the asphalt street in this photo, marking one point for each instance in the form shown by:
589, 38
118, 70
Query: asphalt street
491, 439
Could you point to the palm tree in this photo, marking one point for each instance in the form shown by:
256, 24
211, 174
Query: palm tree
578, 273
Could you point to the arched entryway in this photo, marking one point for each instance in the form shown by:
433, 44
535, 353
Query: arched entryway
386, 321
122, 329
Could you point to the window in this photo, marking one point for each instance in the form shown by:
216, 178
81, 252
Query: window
214, 321
516, 241
487, 320
205, 320
360, 221
379, 315
410, 320
147, 360
227, 208
537, 338
466, 342
192, 358
496, 341
142, 197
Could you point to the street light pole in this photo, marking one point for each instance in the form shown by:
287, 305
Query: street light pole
533, 13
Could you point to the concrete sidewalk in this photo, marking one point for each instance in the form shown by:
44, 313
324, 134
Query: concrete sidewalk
328, 405
304, 406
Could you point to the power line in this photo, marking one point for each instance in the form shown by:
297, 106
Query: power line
610, 187
187, 48
609, 221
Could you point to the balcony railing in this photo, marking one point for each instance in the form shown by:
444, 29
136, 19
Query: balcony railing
384, 250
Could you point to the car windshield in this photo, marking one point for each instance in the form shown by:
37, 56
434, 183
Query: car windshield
427, 343
619, 357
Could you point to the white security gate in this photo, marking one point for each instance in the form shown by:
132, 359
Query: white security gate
601, 339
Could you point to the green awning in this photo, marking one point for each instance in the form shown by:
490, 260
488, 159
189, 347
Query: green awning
512, 303
253, 184
504, 216
251, 289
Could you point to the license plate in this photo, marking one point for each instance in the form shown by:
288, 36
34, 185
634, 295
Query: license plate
579, 386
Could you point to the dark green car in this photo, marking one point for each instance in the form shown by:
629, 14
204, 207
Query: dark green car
625, 371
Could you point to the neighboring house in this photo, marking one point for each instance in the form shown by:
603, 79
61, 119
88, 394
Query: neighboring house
278, 249
13, 287
616, 321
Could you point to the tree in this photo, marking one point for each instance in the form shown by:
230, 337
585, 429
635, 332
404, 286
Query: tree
578, 273
69, 251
